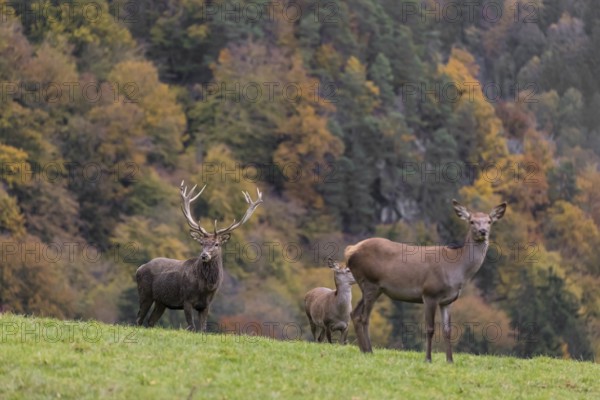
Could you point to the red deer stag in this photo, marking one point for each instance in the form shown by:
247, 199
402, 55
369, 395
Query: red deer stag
432, 275
190, 284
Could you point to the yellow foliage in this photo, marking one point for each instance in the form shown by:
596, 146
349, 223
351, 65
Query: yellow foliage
480, 195
11, 219
150, 240
110, 122
355, 67
225, 179
368, 97
294, 120
309, 142
588, 198
32, 283
570, 231
50, 65
13, 161
329, 59
198, 31
163, 118
461, 70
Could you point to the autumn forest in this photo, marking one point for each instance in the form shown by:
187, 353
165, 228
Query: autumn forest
355, 118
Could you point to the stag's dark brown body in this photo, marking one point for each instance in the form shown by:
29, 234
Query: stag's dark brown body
191, 284
178, 285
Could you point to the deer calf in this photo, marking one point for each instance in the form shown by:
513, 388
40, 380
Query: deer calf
329, 310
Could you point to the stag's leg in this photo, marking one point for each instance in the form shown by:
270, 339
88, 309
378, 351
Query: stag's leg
158, 311
187, 310
203, 318
430, 306
446, 321
362, 312
145, 305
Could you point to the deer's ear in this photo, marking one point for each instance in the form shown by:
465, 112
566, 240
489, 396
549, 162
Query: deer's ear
461, 210
332, 264
197, 236
498, 212
225, 237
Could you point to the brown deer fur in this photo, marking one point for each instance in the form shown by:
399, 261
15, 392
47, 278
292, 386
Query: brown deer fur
433, 275
329, 310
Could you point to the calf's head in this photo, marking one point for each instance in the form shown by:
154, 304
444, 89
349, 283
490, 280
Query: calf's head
341, 275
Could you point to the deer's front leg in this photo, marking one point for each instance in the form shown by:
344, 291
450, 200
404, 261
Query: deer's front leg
187, 310
430, 307
202, 319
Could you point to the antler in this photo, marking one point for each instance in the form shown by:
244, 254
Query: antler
249, 212
187, 199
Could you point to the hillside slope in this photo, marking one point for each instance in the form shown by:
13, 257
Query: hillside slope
45, 358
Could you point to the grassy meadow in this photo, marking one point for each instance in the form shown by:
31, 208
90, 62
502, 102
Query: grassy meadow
46, 358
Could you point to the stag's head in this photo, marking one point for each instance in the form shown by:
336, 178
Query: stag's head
212, 242
341, 275
480, 223
211, 245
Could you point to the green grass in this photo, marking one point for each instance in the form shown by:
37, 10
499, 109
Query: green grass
45, 358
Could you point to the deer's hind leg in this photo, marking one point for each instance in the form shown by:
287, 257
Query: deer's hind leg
362, 313
145, 305
158, 311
